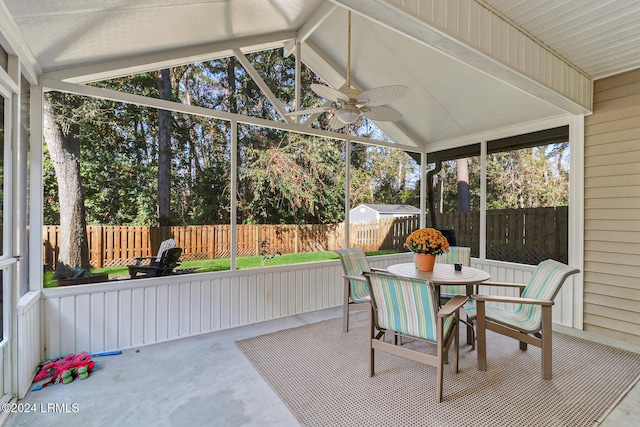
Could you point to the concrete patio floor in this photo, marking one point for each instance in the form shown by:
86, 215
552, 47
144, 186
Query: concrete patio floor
199, 381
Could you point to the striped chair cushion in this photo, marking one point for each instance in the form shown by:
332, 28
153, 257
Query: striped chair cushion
407, 307
470, 309
545, 283
354, 262
525, 318
455, 254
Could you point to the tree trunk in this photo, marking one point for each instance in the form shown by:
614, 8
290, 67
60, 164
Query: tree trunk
64, 148
462, 171
164, 152
231, 77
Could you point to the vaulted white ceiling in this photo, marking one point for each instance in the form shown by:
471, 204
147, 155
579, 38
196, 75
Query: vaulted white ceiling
451, 95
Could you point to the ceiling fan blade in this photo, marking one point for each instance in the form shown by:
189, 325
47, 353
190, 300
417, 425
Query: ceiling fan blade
382, 113
329, 93
309, 111
382, 95
335, 123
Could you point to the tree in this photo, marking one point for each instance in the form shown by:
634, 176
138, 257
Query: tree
381, 175
61, 133
132, 152
526, 178
295, 181
164, 152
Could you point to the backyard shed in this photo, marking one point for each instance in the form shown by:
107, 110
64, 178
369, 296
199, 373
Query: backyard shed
374, 212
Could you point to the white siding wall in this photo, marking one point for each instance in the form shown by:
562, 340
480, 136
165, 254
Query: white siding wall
612, 209
362, 213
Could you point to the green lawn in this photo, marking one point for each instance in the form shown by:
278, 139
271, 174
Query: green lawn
222, 264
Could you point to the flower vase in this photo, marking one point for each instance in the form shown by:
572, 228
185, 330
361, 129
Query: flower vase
425, 262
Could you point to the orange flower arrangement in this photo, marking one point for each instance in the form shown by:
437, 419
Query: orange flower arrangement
427, 241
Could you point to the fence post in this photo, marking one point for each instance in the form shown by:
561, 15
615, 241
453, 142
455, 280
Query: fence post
297, 234
211, 241
100, 246
256, 239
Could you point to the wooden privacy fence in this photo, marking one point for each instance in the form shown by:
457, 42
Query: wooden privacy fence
120, 245
524, 236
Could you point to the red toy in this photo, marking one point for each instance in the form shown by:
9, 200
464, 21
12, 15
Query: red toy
64, 369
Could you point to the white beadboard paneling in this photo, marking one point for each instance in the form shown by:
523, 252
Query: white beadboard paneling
174, 311
184, 317
111, 338
162, 314
125, 321
68, 324
149, 315
83, 316
236, 303
225, 303
137, 317
261, 298
218, 304
206, 307
28, 340
300, 294
196, 309
601, 37
132, 313
97, 323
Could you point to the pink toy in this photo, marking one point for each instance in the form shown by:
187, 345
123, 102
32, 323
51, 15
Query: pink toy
64, 369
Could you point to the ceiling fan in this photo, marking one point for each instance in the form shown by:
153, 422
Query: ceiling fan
349, 104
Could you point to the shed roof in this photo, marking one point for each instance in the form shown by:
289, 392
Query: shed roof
391, 209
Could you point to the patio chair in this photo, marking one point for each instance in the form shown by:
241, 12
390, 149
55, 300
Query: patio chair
155, 260
462, 255
408, 308
169, 260
356, 294
530, 321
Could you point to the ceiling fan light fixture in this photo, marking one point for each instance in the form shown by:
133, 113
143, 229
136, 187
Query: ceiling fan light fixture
348, 114
348, 104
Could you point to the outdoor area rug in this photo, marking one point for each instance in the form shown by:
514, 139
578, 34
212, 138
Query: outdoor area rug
322, 374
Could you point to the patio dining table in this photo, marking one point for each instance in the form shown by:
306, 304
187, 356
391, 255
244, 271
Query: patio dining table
443, 275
